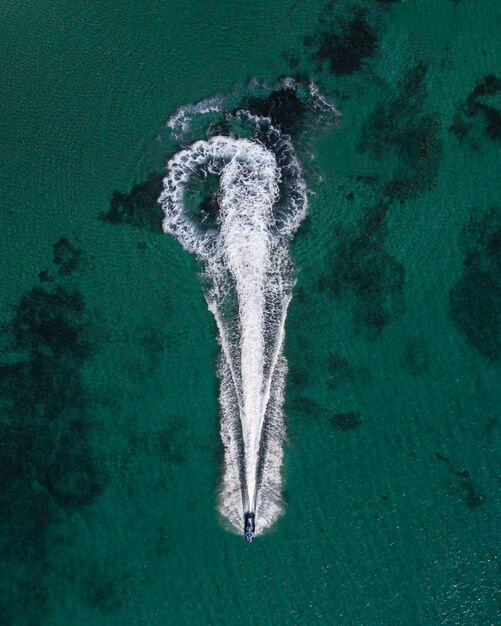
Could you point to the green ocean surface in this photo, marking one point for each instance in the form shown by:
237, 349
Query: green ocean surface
110, 457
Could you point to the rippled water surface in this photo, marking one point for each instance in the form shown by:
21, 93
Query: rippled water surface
110, 454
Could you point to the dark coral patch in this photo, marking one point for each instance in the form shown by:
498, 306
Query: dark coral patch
299, 375
404, 139
346, 37
472, 495
201, 198
345, 43
74, 478
475, 300
66, 256
361, 272
48, 466
477, 115
50, 324
152, 342
300, 365
45, 277
284, 106
139, 207
346, 421
304, 407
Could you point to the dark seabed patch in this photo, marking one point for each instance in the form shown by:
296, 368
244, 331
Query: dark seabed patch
415, 358
344, 41
283, 106
475, 300
66, 256
299, 375
403, 138
294, 107
478, 116
340, 371
139, 207
346, 38
302, 406
45, 277
362, 273
201, 199
152, 341
471, 493
473, 496
346, 421
49, 467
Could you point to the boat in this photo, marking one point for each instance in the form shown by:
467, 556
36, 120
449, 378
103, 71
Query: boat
249, 526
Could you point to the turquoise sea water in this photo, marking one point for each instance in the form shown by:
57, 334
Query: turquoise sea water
110, 456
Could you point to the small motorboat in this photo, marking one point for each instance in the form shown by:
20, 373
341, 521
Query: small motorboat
249, 526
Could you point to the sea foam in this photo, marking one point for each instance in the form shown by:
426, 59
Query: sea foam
248, 279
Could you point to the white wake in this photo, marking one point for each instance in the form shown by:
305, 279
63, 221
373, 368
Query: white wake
248, 280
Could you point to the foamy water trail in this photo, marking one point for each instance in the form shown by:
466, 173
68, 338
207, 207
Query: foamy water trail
248, 281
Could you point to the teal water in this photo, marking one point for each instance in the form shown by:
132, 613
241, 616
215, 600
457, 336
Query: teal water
110, 456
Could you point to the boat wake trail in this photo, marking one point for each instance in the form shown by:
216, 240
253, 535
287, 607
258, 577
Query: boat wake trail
235, 199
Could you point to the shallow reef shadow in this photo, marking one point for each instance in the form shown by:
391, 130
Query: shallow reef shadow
475, 299
472, 495
345, 38
477, 117
360, 272
139, 207
50, 467
403, 138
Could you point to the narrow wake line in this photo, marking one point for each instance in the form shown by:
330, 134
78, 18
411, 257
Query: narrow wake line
224, 346
240, 234
276, 355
